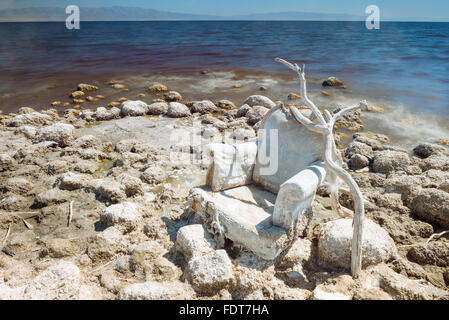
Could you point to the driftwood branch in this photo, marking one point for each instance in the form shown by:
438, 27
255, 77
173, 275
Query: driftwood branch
336, 174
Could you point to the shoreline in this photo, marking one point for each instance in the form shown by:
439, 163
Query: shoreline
130, 200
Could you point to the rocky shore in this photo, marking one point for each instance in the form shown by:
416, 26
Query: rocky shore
94, 205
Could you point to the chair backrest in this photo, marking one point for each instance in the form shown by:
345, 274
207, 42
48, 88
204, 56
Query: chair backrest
285, 147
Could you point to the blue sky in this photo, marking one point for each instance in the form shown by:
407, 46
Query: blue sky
433, 9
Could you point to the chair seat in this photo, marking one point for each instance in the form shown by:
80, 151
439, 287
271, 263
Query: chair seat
245, 216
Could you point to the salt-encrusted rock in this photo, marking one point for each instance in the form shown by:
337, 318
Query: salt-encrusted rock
87, 87
210, 272
134, 108
126, 214
25, 110
109, 190
320, 294
256, 114
60, 281
87, 141
157, 87
298, 254
193, 241
335, 238
61, 133
103, 114
84, 166
172, 96
131, 185
55, 167
332, 82
402, 288
34, 118
258, 100
103, 245
293, 96
17, 185
226, 104
73, 181
157, 108
360, 148
127, 159
77, 94
125, 145
241, 112
14, 202
154, 175
51, 196
60, 248
203, 107
388, 161
150, 290
425, 150
27, 131
177, 110
6, 162
432, 205
358, 161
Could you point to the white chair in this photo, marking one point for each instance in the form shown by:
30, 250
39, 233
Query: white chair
256, 191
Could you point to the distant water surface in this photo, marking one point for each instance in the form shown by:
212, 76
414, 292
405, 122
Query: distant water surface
406, 64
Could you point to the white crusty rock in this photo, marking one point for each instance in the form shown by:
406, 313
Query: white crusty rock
320, 294
157, 108
33, 118
60, 281
177, 110
150, 290
126, 214
61, 133
73, 181
203, 107
388, 161
27, 131
193, 241
87, 141
134, 108
154, 175
210, 272
335, 238
172, 96
103, 114
259, 100
6, 162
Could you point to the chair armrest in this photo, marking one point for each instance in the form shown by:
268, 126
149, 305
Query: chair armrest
232, 165
297, 194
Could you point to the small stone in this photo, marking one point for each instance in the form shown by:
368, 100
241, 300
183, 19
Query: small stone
77, 94
172, 96
258, 100
73, 181
358, 162
203, 107
193, 241
118, 86
237, 85
154, 175
177, 110
61, 133
110, 190
226, 104
133, 108
243, 110
125, 214
389, 161
157, 87
293, 96
210, 272
332, 82
335, 238
87, 87
425, 150
158, 108
255, 114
